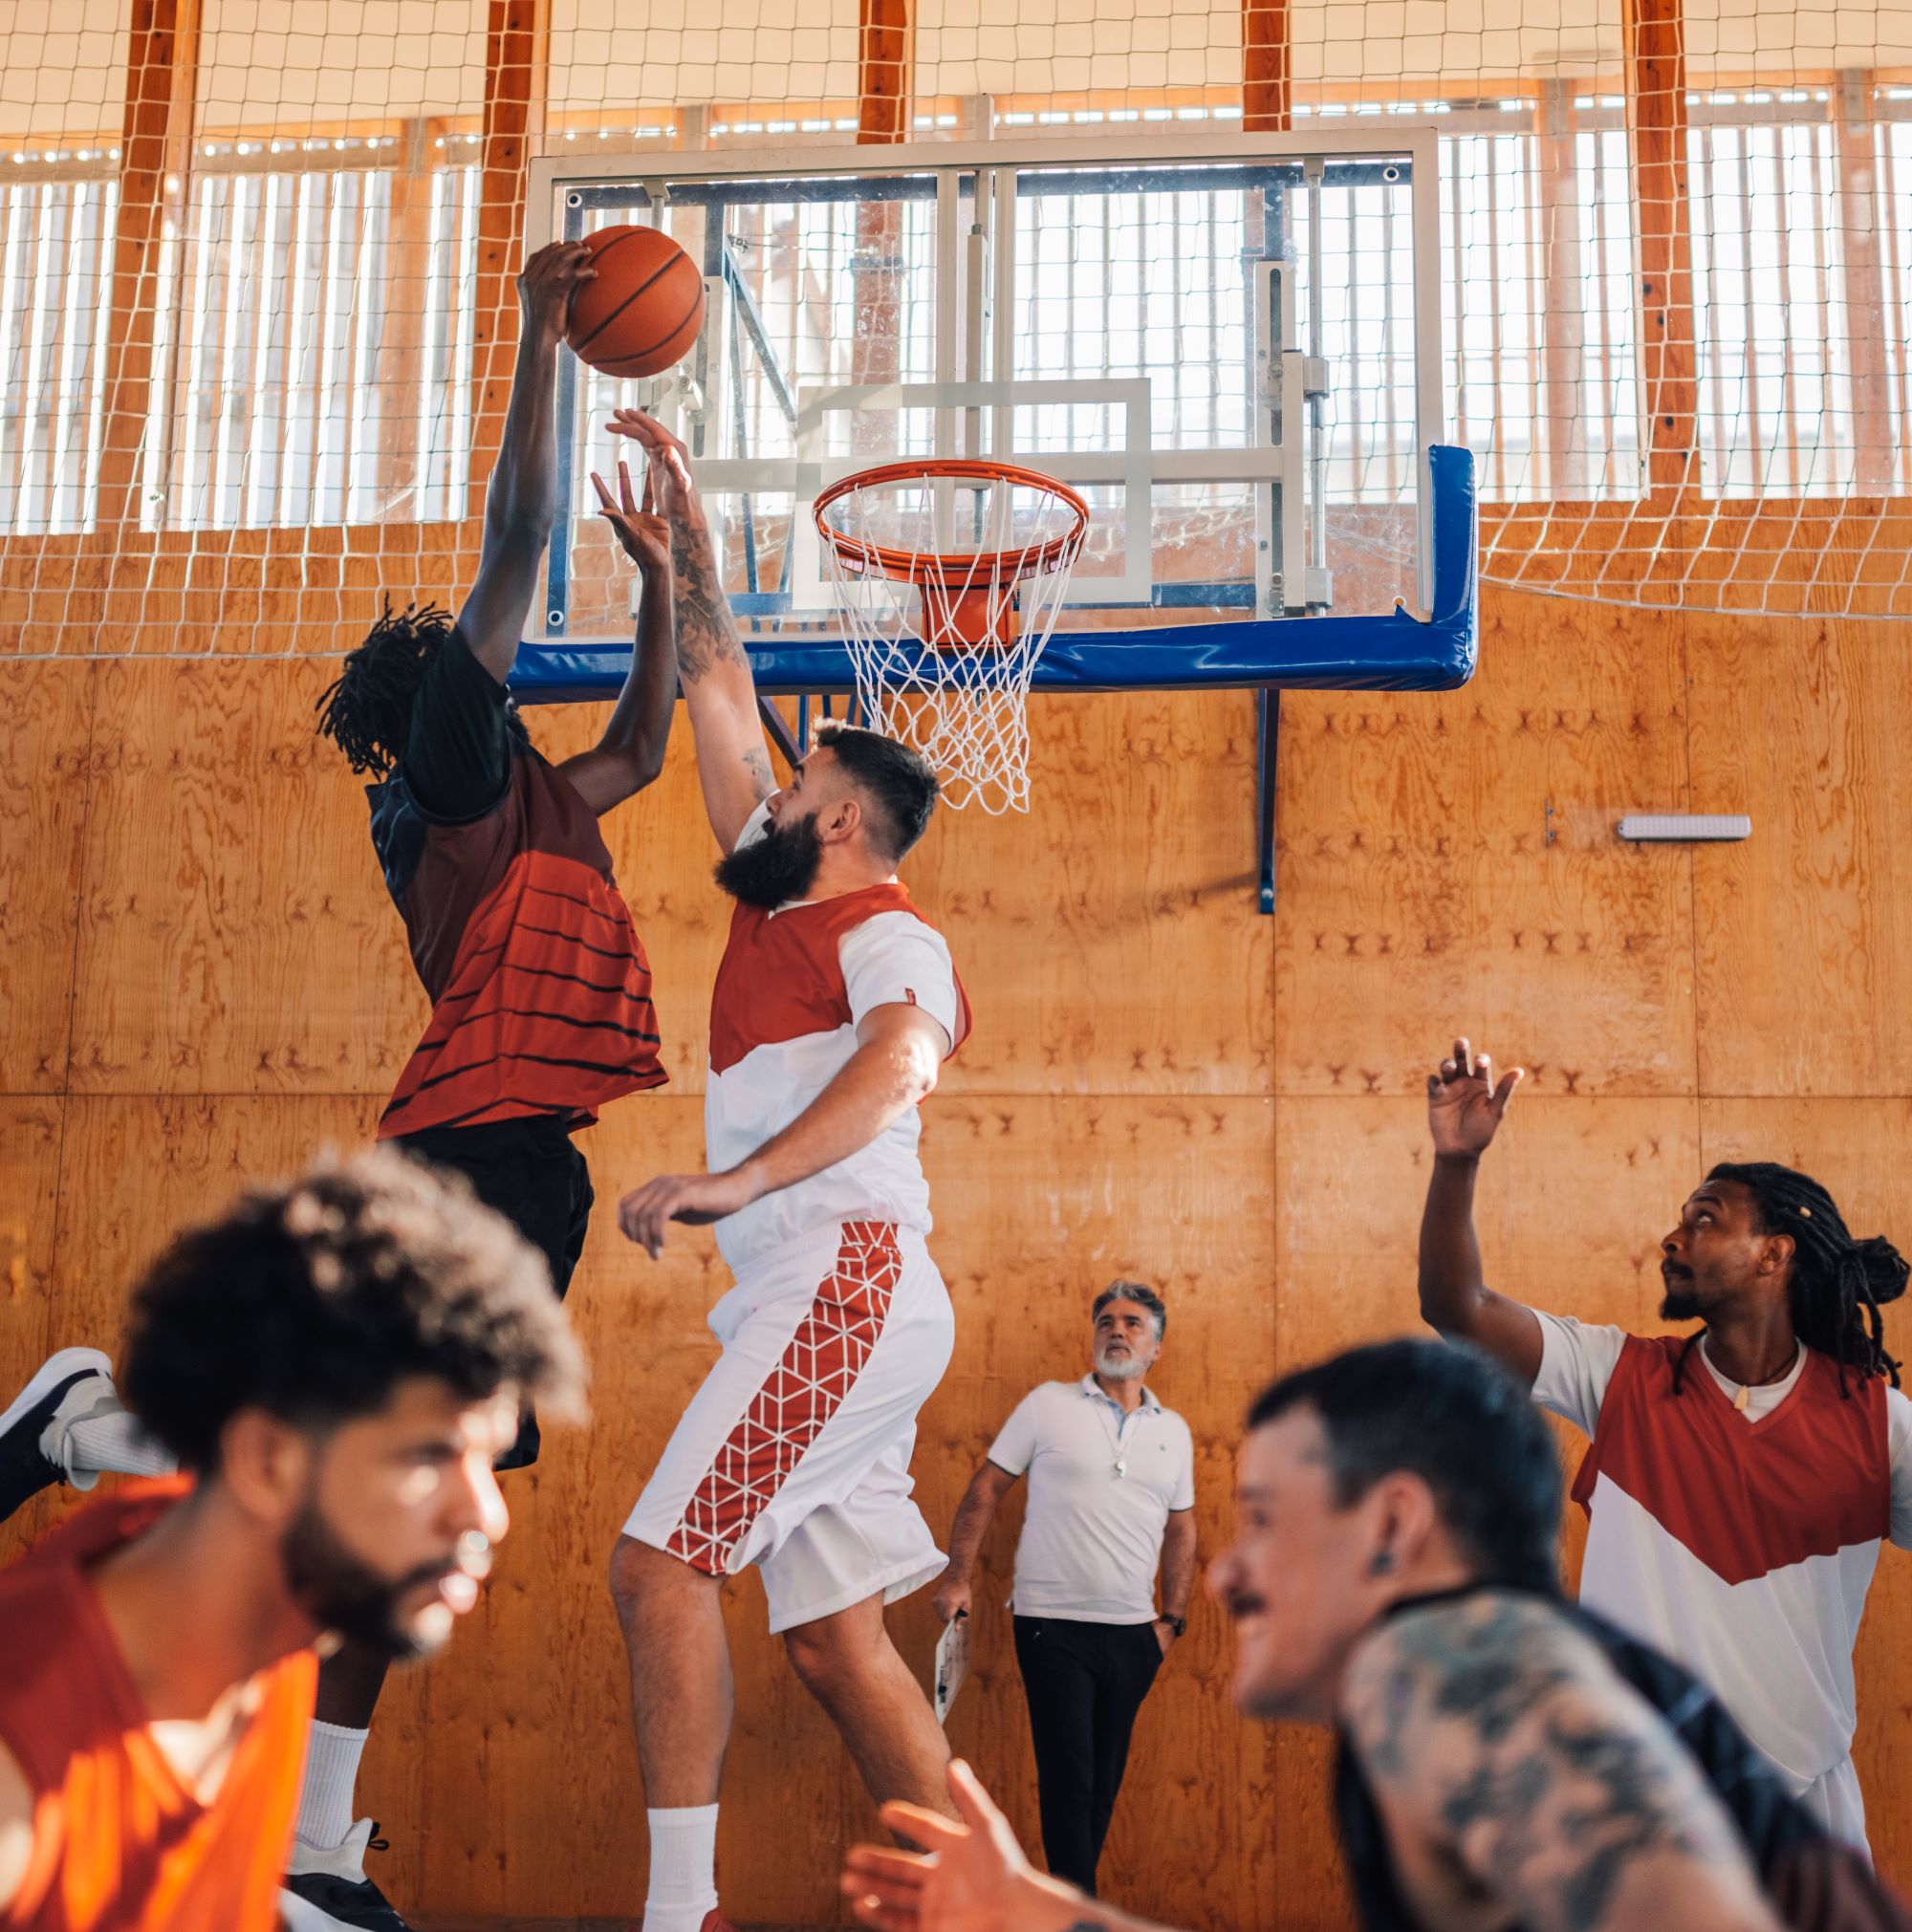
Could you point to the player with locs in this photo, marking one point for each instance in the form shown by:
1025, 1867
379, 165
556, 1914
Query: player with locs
1741, 1478
541, 992
835, 1008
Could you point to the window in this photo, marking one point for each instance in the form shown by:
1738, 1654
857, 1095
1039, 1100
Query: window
322, 368
56, 288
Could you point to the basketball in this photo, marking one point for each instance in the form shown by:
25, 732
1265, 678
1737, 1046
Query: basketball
644, 311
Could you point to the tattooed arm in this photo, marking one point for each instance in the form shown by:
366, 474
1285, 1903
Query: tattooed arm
1518, 1776
734, 760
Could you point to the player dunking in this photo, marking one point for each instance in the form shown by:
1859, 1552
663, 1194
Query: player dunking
834, 1009
541, 1008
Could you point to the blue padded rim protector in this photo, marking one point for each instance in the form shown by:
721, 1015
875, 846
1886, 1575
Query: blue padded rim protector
1391, 653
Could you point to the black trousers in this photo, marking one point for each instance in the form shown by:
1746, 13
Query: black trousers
1085, 1682
532, 1173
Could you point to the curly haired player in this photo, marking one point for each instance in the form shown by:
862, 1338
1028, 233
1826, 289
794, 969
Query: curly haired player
334, 1364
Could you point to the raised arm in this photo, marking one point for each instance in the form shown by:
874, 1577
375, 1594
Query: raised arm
630, 754
900, 1052
1465, 1108
974, 1514
521, 499
733, 759
1504, 1751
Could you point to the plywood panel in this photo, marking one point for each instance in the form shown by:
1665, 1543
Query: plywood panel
29, 1148
1861, 1150
1573, 1199
1448, 863
1805, 930
1110, 938
235, 934
47, 713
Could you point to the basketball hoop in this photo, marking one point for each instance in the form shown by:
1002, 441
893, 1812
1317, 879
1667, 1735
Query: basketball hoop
949, 574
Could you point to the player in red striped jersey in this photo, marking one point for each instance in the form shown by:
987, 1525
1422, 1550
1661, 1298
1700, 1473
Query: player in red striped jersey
541, 1007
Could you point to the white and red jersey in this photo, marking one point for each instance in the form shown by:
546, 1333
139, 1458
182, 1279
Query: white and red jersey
1740, 1542
794, 985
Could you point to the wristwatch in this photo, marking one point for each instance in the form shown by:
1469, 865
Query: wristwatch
1178, 1624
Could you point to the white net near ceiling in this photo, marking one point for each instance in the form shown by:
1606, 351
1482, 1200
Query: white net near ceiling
245, 300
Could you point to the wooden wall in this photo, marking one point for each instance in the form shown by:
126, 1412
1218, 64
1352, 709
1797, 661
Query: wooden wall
201, 981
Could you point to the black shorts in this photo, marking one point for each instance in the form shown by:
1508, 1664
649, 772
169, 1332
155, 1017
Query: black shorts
532, 1173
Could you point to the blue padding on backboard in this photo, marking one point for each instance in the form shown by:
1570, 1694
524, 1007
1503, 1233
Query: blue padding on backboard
1390, 653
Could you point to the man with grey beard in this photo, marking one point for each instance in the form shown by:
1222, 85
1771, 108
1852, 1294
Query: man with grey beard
1111, 1501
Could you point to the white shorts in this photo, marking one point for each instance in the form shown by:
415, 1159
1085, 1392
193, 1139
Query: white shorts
795, 1453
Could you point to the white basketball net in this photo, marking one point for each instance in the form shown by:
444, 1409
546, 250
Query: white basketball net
987, 557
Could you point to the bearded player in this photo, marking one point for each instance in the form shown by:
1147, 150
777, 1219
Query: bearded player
835, 1008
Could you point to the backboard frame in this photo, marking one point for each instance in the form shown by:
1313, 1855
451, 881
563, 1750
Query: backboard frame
974, 373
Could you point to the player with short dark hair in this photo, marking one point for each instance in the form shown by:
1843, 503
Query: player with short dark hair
1741, 1479
836, 1006
1507, 1762
335, 1363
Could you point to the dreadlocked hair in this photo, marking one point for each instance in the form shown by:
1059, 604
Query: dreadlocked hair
1838, 1282
367, 713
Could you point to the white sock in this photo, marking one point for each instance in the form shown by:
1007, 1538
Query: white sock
683, 1868
331, 1771
109, 1438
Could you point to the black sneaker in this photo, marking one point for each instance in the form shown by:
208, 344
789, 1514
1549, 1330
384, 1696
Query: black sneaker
331, 1890
26, 1469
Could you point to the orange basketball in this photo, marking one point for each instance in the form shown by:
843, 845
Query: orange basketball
646, 308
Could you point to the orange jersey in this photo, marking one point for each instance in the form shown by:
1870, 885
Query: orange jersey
120, 1844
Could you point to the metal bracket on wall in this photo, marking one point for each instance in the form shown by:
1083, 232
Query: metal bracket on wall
1268, 713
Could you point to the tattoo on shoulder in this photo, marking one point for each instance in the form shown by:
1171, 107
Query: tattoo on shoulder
1493, 1717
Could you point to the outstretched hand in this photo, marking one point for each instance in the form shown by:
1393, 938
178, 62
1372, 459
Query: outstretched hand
974, 1878
666, 460
644, 535
1464, 1103
647, 1212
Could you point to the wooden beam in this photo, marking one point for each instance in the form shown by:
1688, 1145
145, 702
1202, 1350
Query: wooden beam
884, 61
1266, 67
516, 42
882, 114
1858, 207
155, 151
1564, 294
1656, 51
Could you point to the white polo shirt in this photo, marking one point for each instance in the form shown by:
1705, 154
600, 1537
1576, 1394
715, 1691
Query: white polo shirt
1100, 1486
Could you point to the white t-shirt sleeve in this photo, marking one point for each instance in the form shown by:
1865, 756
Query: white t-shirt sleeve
1577, 1360
756, 825
1014, 1448
1183, 1495
1898, 1446
896, 960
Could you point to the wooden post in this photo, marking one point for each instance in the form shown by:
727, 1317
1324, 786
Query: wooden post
516, 47
882, 114
1563, 318
1865, 282
155, 151
1267, 105
1656, 49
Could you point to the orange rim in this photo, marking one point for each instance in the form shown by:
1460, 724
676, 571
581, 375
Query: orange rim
973, 567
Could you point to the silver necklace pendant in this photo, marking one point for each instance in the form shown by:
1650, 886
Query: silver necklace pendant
1121, 1468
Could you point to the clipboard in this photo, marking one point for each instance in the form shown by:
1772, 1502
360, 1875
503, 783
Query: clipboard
952, 1665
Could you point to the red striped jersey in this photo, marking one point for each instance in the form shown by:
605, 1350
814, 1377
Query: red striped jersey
541, 993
